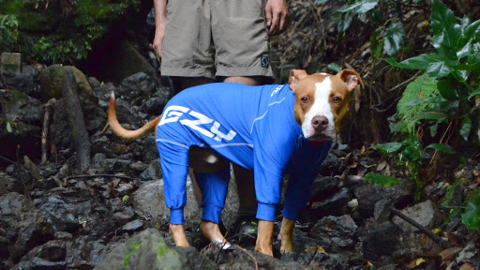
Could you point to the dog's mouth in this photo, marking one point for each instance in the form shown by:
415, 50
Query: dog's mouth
319, 137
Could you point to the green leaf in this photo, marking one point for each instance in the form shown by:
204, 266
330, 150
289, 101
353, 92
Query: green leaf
375, 47
420, 62
320, 2
411, 153
435, 116
438, 70
441, 147
344, 22
417, 102
449, 89
388, 148
381, 180
471, 217
9, 127
445, 26
466, 128
334, 67
393, 39
360, 7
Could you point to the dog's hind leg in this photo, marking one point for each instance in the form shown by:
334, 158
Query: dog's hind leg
174, 161
214, 187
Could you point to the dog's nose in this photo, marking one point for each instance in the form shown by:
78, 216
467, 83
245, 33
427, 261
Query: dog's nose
320, 122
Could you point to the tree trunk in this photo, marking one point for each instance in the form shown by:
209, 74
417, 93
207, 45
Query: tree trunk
76, 121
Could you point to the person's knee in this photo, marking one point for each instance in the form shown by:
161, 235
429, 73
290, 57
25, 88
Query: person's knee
205, 161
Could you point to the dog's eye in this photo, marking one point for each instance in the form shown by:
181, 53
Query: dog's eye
337, 100
304, 99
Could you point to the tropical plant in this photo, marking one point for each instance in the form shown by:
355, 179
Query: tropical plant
447, 95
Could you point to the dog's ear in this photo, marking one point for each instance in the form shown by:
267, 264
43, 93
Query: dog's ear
351, 78
295, 76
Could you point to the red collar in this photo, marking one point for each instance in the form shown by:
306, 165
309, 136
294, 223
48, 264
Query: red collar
317, 143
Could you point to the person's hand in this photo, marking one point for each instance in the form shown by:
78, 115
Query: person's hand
276, 15
158, 40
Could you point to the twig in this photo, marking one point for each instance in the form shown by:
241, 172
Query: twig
105, 128
404, 82
430, 234
249, 255
100, 175
46, 122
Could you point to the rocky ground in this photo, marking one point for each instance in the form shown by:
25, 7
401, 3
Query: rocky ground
113, 216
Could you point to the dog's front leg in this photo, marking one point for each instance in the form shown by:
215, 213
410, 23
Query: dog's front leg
178, 234
264, 239
286, 232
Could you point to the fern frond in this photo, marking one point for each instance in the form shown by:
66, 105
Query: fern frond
421, 88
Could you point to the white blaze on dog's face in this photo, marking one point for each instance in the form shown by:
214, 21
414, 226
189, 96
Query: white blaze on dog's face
321, 102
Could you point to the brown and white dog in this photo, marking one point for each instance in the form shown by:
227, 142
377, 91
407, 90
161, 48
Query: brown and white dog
321, 108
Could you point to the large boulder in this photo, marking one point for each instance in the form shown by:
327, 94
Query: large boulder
148, 251
51, 81
25, 225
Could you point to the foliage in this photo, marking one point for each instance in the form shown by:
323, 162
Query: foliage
60, 31
391, 38
443, 95
471, 216
408, 108
381, 180
9, 30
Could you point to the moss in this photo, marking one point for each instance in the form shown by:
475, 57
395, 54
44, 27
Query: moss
134, 246
162, 249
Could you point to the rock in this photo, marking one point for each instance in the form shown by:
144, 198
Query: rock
136, 88
60, 215
52, 251
153, 172
334, 206
114, 165
9, 184
10, 62
26, 226
4, 253
150, 150
147, 250
149, 202
21, 82
32, 168
133, 226
382, 241
154, 105
332, 165
103, 93
369, 194
18, 106
51, 82
60, 133
40, 264
338, 232
323, 188
424, 213
330, 261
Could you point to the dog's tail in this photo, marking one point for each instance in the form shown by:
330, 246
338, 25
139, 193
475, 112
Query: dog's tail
124, 133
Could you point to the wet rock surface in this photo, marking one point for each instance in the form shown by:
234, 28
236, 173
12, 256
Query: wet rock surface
115, 215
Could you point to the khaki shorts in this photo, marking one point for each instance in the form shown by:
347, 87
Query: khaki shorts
209, 38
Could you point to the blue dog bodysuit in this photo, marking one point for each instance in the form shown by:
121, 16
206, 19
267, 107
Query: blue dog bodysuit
252, 126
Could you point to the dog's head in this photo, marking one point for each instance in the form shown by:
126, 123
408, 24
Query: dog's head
322, 101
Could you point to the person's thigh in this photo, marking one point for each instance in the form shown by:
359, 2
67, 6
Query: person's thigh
240, 38
187, 50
